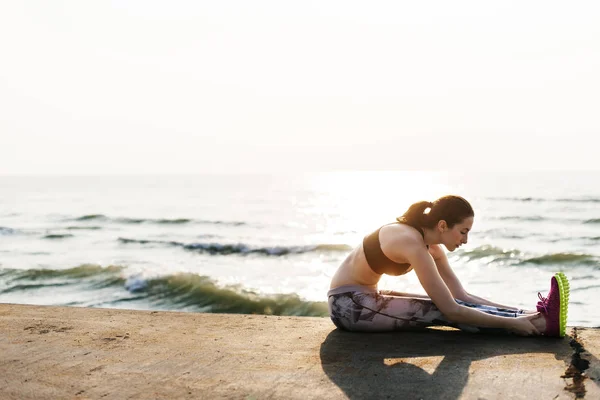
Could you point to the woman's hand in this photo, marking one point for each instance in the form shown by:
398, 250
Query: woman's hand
524, 325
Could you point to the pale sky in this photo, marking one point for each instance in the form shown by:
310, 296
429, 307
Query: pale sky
93, 87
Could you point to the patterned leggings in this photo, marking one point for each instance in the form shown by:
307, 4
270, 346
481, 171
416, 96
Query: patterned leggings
359, 308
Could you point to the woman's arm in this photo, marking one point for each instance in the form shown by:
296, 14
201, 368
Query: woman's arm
453, 283
438, 291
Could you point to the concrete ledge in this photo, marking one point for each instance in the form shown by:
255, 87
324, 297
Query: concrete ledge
61, 352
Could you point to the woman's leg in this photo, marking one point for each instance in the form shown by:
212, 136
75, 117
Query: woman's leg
377, 312
501, 312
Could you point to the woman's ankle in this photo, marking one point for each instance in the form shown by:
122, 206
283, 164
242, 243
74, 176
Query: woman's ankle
539, 323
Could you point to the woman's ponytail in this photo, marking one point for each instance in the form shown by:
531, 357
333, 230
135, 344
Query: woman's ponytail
424, 214
415, 215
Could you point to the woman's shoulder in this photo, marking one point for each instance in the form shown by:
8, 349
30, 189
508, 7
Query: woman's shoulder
401, 230
402, 243
401, 235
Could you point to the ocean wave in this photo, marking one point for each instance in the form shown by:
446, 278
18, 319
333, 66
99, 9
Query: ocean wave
574, 238
495, 253
159, 221
539, 218
540, 199
505, 233
83, 228
582, 278
143, 241
7, 231
171, 292
162, 221
58, 236
242, 249
580, 289
564, 259
31, 286
202, 293
81, 271
518, 199
531, 218
90, 276
217, 222
91, 217
580, 200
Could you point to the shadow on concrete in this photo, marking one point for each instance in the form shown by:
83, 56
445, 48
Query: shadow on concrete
367, 365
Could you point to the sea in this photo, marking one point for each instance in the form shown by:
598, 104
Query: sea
270, 243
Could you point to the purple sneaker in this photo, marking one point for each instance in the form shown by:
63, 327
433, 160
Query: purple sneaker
554, 307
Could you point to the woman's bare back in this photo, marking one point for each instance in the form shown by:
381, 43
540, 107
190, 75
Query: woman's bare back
355, 269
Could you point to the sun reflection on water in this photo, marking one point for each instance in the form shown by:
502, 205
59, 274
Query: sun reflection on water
361, 201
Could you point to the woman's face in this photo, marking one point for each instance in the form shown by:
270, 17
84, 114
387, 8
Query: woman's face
458, 235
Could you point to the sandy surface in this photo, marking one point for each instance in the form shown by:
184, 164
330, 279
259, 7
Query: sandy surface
72, 353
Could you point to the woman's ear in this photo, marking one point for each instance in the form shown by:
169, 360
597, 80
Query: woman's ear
442, 226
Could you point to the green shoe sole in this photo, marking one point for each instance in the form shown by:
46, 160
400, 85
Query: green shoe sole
564, 290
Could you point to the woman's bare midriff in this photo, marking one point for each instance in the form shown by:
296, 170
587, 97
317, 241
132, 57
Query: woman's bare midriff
355, 271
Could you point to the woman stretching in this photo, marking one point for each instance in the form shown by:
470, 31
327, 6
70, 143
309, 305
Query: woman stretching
413, 243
